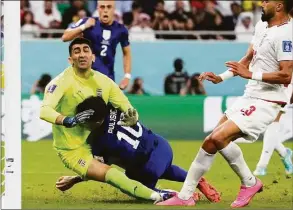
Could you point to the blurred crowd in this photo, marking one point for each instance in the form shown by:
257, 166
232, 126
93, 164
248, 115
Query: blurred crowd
145, 17
177, 82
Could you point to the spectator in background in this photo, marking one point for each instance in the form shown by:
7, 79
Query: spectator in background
159, 15
40, 85
254, 7
148, 6
164, 25
197, 5
194, 86
224, 7
71, 14
36, 6
244, 28
175, 82
29, 29
229, 22
142, 31
24, 6
210, 20
137, 87
47, 18
132, 18
180, 17
170, 6
80, 14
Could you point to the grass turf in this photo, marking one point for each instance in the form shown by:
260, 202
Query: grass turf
41, 167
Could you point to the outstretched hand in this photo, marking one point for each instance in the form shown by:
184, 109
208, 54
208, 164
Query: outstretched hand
210, 76
239, 69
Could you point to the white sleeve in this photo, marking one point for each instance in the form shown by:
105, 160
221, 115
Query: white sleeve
253, 37
283, 47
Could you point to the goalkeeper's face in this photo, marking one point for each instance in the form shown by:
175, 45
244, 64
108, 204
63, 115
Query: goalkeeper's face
81, 56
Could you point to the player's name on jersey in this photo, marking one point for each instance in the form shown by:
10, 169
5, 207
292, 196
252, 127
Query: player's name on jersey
112, 121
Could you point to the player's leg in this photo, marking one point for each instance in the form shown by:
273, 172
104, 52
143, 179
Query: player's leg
247, 118
82, 162
175, 173
287, 133
270, 141
159, 160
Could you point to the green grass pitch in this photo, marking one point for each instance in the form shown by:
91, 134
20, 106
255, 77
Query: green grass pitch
41, 167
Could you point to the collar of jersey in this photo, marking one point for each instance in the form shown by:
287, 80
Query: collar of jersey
83, 79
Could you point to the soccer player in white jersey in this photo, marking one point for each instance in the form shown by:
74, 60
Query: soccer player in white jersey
267, 65
278, 132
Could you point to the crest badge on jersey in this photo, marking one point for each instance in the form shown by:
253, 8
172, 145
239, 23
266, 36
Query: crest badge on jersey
106, 34
99, 92
51, 89
287, 46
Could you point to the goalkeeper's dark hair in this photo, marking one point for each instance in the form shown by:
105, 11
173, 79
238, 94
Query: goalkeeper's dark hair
95, 103
288, 5
80, 40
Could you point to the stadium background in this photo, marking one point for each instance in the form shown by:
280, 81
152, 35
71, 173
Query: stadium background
177, 118
211, 33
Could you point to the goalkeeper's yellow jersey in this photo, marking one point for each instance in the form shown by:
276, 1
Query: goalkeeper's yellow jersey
65, 92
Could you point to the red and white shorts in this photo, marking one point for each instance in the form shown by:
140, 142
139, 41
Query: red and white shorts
252, 116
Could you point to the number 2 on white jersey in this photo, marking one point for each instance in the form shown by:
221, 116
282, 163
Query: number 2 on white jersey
104, 50
136, 134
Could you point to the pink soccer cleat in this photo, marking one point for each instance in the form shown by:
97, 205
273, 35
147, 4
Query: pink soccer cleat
246, 194
176, 201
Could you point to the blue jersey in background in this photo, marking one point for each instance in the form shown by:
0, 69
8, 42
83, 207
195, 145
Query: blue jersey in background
105, 39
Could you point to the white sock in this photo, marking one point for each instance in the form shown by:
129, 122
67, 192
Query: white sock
198, 168
233, 154
270, 141
155, 196
281, 149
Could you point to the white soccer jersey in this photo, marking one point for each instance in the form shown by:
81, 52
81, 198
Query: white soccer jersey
270, 45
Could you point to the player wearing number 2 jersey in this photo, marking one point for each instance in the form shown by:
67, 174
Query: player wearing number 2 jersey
105, 34
145, 156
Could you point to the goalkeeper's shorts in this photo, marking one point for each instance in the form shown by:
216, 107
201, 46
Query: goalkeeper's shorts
77, 160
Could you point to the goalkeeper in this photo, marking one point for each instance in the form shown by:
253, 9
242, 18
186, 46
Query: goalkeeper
62, 95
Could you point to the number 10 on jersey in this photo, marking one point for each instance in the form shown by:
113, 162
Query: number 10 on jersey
134, 133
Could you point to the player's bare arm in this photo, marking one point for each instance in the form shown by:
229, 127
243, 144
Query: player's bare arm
279, 77
127, 67
71, 33
210, 76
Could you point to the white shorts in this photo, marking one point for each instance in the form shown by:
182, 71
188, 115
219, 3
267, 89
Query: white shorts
252, 116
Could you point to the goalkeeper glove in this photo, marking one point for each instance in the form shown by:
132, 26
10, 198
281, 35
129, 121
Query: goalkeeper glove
80, 118
128, 118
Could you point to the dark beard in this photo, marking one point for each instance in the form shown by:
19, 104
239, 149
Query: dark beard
265, 17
